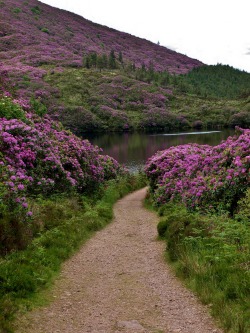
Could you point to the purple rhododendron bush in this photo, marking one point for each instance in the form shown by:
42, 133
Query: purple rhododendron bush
201, 176
38, 158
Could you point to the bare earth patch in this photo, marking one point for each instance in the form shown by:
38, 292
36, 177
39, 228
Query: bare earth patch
119, 282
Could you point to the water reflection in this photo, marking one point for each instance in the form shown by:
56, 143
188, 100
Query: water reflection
133, 149
188, 133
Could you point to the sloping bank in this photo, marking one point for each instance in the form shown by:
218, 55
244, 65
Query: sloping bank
203, 197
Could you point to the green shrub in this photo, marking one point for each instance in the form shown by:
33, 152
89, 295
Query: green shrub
243, 213
93, 220
16, 10
39, 108
45, 30
10, 110
36, 10
104, 209
162, 227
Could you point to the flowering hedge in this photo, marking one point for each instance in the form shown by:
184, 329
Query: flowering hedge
39, 157
201, 175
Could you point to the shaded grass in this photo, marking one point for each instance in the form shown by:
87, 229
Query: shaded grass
66, 224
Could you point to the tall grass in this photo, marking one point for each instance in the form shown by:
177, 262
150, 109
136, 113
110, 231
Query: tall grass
212, 254
66, 224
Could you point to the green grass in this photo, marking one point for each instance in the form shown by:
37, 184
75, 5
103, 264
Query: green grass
65, 224
212, 255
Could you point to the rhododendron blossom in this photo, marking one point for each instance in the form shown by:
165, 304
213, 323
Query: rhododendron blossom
39, 157
200, 175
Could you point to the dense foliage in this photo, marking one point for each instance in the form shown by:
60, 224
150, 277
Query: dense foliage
114, 102
204, 177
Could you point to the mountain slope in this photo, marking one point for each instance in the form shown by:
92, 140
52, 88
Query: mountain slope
34, 33
49, 61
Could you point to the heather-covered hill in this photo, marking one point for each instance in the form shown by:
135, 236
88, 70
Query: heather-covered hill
93, 78
33, 33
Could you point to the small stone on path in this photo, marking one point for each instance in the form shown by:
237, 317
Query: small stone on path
131, 325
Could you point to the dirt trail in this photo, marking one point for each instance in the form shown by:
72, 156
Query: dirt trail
119, 282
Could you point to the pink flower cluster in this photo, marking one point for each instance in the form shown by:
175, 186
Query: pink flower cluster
201, 175
39, 157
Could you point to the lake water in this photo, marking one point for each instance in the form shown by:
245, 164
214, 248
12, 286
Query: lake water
133, 149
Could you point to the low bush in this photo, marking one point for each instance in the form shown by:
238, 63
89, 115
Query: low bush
241, 119
9, 109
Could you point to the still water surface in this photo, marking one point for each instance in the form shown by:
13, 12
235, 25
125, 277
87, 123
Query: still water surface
133, 149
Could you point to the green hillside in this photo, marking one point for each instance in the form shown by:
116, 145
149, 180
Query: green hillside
125, 100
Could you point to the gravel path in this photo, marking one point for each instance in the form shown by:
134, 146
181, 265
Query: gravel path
119, 282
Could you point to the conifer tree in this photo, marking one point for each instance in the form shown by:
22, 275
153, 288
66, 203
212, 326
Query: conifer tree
100, 62
112, 60
120, 57
86, 61
105, 60
93, 59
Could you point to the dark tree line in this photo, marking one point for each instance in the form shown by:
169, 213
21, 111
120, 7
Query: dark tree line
217, 81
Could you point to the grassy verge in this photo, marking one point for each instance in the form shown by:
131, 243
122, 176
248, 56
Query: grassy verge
67, 224
212, 255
